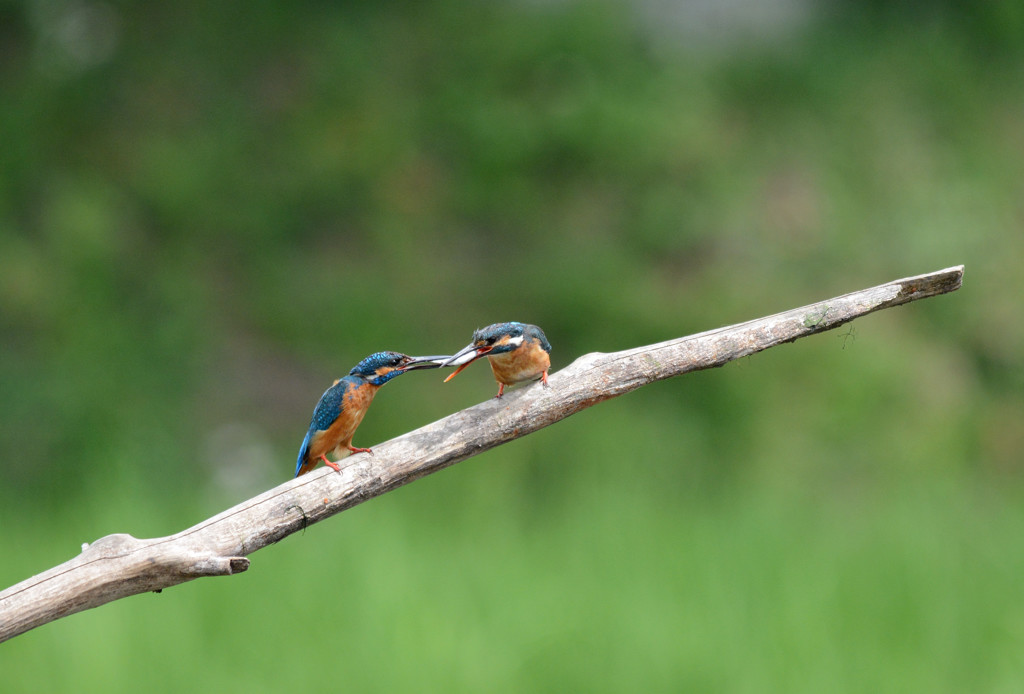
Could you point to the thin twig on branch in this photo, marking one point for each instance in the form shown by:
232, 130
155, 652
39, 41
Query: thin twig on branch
120, 565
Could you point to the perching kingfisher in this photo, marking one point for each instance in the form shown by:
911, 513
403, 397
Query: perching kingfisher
342, 406
517, 352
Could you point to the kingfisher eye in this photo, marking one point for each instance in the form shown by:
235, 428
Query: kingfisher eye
395, 361
491, 340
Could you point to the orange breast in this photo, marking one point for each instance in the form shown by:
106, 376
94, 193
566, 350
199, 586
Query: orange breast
524, 364
338, 437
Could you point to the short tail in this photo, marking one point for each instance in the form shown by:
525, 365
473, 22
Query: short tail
301, 466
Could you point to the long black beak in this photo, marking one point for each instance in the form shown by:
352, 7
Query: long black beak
432, 362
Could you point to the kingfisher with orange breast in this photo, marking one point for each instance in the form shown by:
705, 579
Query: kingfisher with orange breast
517, 352
342, 406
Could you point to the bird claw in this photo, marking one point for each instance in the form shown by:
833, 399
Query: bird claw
334, 466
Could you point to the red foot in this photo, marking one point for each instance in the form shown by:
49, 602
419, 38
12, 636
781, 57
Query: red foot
359, 450
544, 377
328, 463
501, 389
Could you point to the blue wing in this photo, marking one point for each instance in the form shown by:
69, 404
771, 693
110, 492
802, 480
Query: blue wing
326, 412
536, 333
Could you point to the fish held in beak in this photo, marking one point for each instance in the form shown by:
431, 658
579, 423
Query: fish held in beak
464, 357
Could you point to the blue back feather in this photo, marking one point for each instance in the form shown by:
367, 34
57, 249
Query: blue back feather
532, 331
302, 452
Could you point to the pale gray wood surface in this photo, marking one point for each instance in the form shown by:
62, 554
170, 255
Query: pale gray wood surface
119, 565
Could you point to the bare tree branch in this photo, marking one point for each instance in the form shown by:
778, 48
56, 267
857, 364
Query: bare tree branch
120, 565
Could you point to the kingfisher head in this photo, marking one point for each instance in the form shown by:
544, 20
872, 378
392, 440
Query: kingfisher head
495, 339
381, 367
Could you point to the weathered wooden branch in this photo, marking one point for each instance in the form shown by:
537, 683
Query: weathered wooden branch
120, 565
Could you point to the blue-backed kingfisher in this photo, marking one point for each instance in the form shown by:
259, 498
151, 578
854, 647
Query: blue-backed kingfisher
342, 406
517, 352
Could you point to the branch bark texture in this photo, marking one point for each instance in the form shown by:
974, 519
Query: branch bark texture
120, 565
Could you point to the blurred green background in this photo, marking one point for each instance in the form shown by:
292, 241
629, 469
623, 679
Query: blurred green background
208, 211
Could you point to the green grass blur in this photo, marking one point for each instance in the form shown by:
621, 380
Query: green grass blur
210, 211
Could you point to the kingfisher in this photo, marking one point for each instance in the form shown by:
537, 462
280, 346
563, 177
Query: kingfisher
517, 352
342, 406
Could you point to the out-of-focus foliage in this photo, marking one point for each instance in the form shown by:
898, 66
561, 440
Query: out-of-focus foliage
208, 211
